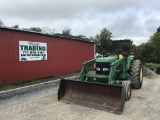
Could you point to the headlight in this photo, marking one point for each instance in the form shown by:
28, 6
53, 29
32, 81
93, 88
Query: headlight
105, 69
98, 69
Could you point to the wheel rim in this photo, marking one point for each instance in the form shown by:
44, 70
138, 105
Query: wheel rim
129, 92
141, 75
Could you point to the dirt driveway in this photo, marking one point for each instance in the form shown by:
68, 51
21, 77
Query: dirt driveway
43, 105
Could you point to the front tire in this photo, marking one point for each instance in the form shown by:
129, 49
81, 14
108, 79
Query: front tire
128, 90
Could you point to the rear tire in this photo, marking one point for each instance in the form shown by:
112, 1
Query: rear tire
137, 74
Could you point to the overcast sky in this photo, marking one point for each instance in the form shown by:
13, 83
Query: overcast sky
130, 19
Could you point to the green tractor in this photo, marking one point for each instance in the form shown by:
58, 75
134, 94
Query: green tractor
106, 82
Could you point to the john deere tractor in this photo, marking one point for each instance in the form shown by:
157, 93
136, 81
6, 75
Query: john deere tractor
106, 82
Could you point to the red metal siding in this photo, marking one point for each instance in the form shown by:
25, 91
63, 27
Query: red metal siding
63, 56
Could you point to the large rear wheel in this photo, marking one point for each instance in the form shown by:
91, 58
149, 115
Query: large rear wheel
137, 74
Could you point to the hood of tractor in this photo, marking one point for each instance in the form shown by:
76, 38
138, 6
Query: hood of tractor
110, 59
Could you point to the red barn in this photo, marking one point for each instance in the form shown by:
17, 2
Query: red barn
29, 55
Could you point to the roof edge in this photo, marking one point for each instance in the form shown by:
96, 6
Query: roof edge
17, 29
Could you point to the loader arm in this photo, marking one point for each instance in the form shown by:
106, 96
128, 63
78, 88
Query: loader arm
113, 70
109, 79
85, 68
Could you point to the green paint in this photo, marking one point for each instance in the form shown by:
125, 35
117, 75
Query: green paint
25, 47
34, 48
30, 48
111, 58
117, 73
21, 47
154, 65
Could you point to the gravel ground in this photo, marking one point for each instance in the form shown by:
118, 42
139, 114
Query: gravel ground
43, 105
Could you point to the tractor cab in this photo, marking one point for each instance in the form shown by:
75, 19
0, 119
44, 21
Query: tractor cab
120, 49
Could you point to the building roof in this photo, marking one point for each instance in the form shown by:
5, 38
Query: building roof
28, 31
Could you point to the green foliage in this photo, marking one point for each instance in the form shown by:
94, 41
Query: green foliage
133, 48
155, 41
58, 34
149, 52
152, 65
37, 81
66, 32
80, 37
145, 52
158, 29
104, 40
48, 31
121, 48
25, 29
35, 29
15, 26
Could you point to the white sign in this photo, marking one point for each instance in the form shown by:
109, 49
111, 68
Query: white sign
30, 51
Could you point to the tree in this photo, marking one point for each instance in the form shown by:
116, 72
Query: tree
80, 37
158, 29
1, 23
133, 47
104, 39
15, 26
35, 29
66, 32
58, 34
25, 29
145, 52
93, 39
155, 41
149, 51
48, 31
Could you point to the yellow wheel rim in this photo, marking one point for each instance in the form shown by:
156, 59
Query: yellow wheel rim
129, 92
141, 75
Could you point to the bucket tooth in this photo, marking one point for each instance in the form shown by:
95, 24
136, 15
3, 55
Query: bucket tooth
96, 95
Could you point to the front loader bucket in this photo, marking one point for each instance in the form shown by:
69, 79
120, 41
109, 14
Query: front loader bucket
95, 95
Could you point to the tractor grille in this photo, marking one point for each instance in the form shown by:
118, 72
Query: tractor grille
101, 68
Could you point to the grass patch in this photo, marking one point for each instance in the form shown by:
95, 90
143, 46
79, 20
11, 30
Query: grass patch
36, 81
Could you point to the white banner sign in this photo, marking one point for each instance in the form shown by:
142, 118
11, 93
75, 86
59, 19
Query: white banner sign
30, 51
